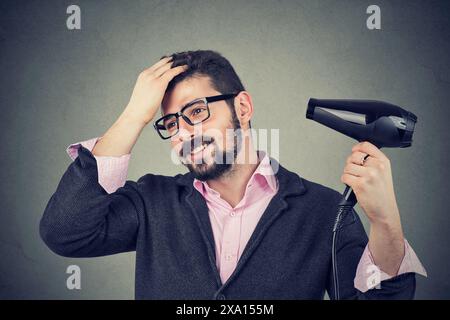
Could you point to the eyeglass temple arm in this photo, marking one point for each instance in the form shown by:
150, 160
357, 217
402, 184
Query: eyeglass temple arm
222, 97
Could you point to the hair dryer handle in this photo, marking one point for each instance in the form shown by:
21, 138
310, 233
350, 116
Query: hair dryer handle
345, 206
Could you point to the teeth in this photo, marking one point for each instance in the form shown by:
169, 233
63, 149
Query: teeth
198, 149
201, 147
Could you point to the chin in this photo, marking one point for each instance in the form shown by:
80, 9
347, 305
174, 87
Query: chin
205, 172
210, 168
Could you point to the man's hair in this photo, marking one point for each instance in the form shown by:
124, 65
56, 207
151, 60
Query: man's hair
208, 63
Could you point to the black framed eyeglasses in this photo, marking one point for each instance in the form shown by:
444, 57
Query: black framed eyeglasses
193, 113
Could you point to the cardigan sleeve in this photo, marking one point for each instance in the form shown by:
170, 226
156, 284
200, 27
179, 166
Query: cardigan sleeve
351, 242
82, 220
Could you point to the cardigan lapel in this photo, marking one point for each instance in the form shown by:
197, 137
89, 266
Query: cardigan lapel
199, 209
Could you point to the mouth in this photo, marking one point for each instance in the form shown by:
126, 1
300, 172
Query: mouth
200, 148
195, 149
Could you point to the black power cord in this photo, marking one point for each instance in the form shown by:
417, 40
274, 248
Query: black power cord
344, 207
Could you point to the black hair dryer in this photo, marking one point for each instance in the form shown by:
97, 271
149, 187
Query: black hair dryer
380, 123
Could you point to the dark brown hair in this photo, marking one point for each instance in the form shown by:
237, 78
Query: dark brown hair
208, 63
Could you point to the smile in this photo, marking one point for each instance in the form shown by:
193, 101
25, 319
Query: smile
200, 148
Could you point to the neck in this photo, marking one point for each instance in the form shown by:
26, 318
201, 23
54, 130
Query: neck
231, 185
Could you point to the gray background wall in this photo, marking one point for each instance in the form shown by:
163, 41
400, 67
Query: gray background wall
60, 86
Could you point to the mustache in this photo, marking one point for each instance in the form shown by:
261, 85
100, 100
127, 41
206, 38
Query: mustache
188, 146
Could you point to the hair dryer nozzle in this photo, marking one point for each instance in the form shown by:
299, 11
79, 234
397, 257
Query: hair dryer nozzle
310, 110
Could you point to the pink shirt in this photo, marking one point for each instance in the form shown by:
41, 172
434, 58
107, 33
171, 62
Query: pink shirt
232, 227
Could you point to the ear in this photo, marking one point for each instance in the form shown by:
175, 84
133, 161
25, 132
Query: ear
243, 105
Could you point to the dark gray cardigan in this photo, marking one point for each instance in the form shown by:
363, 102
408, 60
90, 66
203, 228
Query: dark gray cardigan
165, 220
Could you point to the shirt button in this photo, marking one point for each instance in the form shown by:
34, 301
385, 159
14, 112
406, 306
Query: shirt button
220, 297
232, 213
228, 257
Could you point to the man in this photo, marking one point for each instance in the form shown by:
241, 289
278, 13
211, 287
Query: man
237, 226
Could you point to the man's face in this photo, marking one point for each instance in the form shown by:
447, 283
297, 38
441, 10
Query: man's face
210, 148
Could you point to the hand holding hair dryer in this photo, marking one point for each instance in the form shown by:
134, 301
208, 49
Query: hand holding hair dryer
380, 123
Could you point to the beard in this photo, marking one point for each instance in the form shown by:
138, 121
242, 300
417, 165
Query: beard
222, 159
204, 171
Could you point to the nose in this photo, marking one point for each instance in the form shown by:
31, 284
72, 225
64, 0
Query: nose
185, 130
